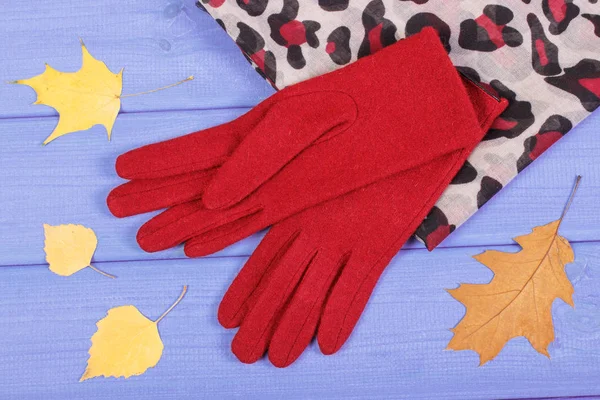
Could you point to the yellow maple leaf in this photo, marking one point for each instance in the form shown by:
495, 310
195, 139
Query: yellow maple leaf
518, 300
91, 96
126, 343
88, 97
69, 248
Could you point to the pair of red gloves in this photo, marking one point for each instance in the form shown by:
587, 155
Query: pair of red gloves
344, 167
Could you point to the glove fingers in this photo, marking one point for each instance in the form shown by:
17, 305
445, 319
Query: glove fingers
200, 150
193, 152
252, 339
145, 195
346, 302
184, 221
250, 283
217, 239
250, 355
298, 324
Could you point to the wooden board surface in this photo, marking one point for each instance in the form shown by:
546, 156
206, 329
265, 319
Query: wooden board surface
68, 180
157, 42
397, 349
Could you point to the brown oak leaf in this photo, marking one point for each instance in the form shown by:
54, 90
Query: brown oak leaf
518, 300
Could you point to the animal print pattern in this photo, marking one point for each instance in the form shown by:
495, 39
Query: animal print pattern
542, 55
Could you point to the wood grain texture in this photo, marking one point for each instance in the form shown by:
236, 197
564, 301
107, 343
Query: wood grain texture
68, 180
396, 351
158, 42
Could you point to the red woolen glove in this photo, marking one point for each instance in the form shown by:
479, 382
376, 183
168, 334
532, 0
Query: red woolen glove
315, 271
306, 144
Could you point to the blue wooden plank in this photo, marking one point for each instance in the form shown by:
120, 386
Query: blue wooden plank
396, 351
68, 180
63, 183
157, 42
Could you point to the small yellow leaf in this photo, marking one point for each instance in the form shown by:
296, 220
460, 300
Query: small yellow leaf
88, 97
518, 300
126, 343
69, 248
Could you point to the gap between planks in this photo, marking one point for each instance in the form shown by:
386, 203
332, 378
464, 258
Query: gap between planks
166, 110
96, 262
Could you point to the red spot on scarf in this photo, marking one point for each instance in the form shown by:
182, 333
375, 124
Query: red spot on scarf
294, 33
330, 48
502, 124
558, 8
493, 30
541, 50
375, 38
543, 142
591, 84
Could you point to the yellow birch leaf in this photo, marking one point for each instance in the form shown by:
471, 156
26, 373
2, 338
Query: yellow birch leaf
126, 343
518, 300
69, 248
88, 97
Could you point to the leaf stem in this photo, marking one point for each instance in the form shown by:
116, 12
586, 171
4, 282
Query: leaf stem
577, 181
102, 272
189, 78
183, 292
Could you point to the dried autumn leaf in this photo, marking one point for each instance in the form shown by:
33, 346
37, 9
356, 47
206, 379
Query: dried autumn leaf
69, 248
91, 96
88, 97
518, 300
126, 343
